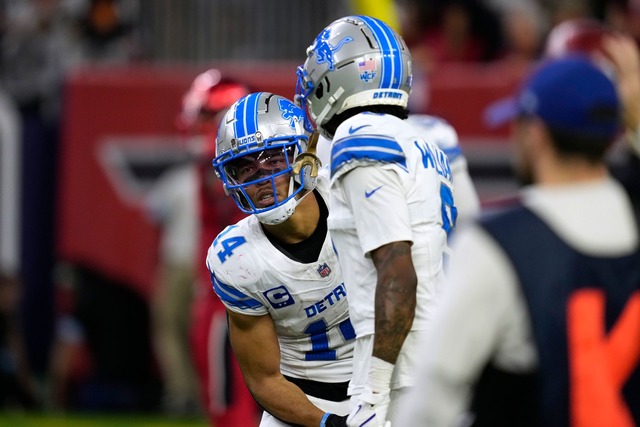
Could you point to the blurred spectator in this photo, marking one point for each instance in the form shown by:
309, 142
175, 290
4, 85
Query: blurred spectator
450, 31
618, 55
624, 55
524, 26
106, 30
172, 203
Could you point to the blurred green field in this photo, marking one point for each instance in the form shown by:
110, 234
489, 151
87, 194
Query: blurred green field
8, 419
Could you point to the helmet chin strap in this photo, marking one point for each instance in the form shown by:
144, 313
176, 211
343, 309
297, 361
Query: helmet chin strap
281, 213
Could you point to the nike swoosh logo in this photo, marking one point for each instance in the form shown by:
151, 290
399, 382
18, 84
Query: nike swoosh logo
353, 130
368, 194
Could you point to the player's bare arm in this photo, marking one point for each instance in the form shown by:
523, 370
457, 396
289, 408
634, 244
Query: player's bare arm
395, 300
255, 345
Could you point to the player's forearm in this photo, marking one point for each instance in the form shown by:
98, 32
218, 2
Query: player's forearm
395, 300
285, 401
395, 310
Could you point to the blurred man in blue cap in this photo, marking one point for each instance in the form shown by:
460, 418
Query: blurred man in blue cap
539, 324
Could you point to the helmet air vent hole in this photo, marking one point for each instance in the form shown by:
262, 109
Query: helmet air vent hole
368, 39
320, 90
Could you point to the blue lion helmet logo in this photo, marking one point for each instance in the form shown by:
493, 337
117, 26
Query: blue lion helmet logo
290, 112
324, 51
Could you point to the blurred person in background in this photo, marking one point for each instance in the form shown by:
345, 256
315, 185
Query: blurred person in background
172, 203
618, 55
277, 271
446, 31
224, 395
450, 31
540, 292
106, 30
524, 27
624, 55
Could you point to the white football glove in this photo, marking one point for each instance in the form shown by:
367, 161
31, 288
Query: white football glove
370, 410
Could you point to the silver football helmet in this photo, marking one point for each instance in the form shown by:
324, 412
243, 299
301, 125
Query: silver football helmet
258, 140
355, 61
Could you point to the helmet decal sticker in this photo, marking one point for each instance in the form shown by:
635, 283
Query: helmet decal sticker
324, 51
290, 112
367, 69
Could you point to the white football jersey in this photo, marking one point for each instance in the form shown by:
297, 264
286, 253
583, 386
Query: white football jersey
308, 302
445, 137
398, 188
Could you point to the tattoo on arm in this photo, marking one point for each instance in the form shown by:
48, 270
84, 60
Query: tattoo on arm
395, 299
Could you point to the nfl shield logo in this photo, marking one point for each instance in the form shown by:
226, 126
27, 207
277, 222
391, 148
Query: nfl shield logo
324, 270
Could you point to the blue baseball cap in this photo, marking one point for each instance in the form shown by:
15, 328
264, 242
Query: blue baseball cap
570, 95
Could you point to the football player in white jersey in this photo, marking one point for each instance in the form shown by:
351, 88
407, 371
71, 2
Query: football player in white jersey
438, 130
391, 202
276, 271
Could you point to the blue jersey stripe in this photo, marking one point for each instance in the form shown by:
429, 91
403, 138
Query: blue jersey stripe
392, 71
366, 147
453, 152
233, 297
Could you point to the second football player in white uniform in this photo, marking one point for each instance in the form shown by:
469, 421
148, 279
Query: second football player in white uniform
277, 272
391, 202
440, 132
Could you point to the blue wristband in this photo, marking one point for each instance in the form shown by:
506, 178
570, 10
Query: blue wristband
324, 419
